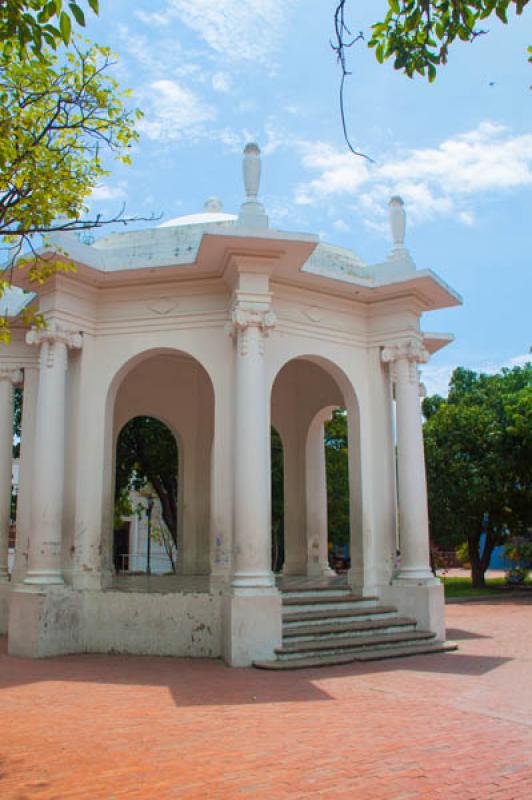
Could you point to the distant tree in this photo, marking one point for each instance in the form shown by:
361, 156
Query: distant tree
478, 448
146, 453
336, 455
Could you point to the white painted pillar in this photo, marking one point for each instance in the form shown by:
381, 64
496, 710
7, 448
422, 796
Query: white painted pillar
412, 485
25, 474
251, 530
295, 533
8, 378
44, 557
316, 498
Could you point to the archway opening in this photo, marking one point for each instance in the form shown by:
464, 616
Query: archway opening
172, 395
145, 527
336, 442
315, 415
277, 473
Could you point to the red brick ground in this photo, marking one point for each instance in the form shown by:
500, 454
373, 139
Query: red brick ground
451, 726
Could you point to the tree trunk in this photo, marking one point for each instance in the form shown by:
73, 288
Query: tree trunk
479, 564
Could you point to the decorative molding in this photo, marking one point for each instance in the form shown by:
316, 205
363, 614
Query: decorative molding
12, 374
162, 305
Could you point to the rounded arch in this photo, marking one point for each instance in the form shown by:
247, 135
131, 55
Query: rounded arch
303, 389
175, 388
147, 465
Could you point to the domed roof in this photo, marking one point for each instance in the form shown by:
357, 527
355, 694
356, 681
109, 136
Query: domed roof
212, 212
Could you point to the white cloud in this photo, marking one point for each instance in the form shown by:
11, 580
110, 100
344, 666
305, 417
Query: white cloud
221, 82
239, 31
340, 225
175, 111
103, 192
153, 18
433, 181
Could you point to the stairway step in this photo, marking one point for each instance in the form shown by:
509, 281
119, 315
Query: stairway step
298, 649
314, 587
312, 599
328, 628
336, 613
403, 652
320, 591
339, 659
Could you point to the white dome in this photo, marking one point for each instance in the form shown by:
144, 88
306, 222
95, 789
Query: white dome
204, 218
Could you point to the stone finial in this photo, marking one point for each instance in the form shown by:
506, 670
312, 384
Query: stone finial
251, 211
251, 168
213, 205
397, 219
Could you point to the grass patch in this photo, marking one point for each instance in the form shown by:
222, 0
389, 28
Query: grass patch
461, 587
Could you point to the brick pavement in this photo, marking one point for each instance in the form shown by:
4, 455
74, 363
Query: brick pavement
456, 726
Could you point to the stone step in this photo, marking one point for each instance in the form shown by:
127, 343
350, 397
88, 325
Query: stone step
350, 644
365, 655
295, 619
319, 591
328, 630
316, 602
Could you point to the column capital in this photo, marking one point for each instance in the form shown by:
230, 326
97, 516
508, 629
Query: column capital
55, 334
410, 349
246, 316
12, 374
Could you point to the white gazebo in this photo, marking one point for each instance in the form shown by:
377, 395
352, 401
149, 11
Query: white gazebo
220, 326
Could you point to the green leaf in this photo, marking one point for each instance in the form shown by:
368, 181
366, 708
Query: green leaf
94, 5
65, 26
78, 14
394, 5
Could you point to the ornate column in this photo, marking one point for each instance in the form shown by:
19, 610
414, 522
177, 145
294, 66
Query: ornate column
8, 379
403, 358
251, 533
44, 557
316, 498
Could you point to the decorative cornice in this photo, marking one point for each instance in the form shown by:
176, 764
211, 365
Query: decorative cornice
11, 374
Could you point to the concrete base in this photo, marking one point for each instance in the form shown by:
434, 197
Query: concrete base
5, 590
252, 627
423, 601
62, 620
44, 622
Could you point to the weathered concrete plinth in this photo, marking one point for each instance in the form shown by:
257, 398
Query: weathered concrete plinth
44, 621
252, 626
61, 620
424, 601
5, 589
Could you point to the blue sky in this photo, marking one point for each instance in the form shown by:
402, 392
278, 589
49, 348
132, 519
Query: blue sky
210, 76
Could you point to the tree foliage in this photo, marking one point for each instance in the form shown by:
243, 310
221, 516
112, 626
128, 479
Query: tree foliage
478, 448
417, 34
59, 115
32, 24
336, 455
146, 453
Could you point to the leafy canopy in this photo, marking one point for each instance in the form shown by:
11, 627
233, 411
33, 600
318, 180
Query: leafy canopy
36, 23
58, 116
417, 34
478, 448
